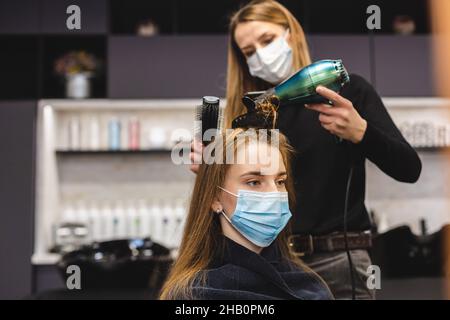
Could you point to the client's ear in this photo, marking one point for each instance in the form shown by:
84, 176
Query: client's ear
216, 206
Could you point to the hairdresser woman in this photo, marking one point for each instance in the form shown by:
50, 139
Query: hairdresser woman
266, 46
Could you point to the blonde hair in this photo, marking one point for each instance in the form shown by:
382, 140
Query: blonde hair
239, 80
202, 237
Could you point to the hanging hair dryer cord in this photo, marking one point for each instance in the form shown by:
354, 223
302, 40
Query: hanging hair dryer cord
350, 261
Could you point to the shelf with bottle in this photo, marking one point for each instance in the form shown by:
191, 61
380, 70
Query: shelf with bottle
116, 133
162, 221
427, 135
83, 222
112, 152
76, 177
423, 121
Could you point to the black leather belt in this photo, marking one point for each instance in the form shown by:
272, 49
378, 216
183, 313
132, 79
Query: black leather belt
309, 244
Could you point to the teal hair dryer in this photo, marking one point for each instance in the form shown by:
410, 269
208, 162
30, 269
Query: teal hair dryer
300, 88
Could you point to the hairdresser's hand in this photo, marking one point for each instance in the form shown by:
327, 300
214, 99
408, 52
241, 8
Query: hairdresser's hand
341, 119
195, 155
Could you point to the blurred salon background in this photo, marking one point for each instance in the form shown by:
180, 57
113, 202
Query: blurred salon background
88, 120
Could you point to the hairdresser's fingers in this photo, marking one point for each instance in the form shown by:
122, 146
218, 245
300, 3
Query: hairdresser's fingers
195, 157
332, 128
334, 97
326, 119
339, 122
329, 127
324, 108
196, 146
194, 168
339, 112
196, 152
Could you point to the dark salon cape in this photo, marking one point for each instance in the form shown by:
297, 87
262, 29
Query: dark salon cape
242, 274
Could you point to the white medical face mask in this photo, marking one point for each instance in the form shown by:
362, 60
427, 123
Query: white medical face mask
273, 63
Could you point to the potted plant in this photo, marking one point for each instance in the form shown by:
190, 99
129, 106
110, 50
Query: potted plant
77, 68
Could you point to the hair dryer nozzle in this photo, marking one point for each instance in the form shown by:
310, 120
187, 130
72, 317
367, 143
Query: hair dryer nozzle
301, 87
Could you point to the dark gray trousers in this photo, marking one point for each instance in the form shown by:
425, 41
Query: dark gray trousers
333, 267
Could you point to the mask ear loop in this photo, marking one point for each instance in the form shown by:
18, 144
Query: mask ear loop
222, 211
233, 194
228, 219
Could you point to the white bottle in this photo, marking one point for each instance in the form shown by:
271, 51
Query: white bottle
95, 222
145, 218
124, 140
157, 226
167, 225
145, 134
68, 214
107, 219
157, 138
120, 222
83, 218
74, 133
94, 133
82, 214
85, 132
133, 223
180, 216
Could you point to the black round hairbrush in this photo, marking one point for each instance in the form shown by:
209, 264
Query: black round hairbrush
209, 116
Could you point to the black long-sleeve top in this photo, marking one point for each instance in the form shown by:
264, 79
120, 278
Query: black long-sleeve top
321, 165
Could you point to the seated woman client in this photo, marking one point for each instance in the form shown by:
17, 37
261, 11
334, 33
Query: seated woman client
235, 244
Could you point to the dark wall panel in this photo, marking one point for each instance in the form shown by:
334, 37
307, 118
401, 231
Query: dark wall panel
47, 277
353, 50
19, 16
167, 67
17, 129
404, 66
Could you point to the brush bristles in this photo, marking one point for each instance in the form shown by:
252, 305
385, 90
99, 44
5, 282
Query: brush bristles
198, 123
220, 119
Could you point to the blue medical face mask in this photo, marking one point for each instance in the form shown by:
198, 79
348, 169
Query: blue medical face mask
260, 216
